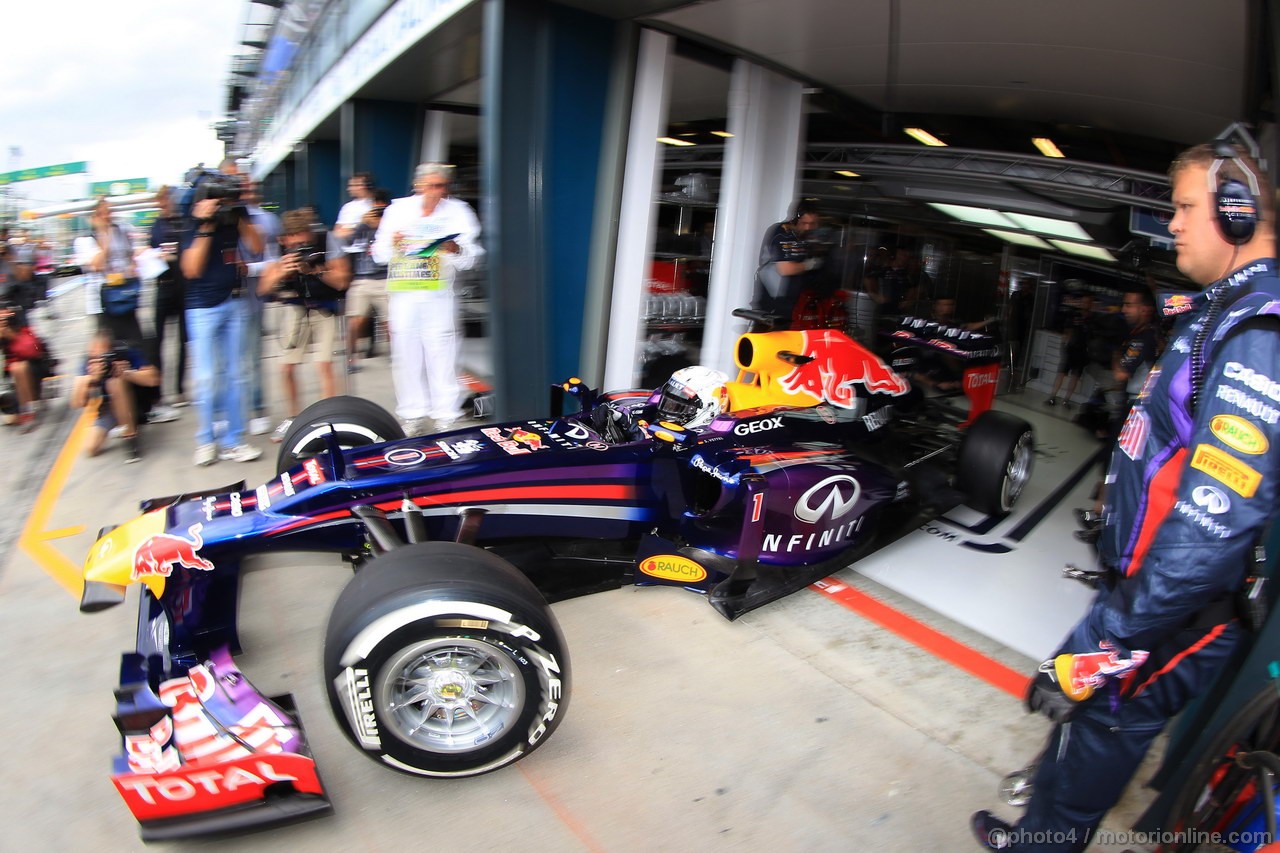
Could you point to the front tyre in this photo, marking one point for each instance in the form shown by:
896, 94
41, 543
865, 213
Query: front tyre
355, 422
444, 660
995, 462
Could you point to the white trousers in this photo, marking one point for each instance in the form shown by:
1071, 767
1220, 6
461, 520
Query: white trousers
424, 353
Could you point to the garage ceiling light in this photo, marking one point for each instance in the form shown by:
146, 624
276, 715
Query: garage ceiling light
1049, 227
1046, 147
921, 135
845, 173
975, 215
723, 134
671, 140
1096, 252
1019, 238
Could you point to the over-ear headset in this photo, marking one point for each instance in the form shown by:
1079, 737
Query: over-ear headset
1235, 204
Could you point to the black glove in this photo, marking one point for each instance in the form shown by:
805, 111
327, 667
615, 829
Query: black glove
1045, 696
612, 424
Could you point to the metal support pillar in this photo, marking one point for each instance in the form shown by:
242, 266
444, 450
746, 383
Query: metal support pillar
377, 137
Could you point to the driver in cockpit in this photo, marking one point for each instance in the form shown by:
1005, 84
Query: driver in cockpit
691, 398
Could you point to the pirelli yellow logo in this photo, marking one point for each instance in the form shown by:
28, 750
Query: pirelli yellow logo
1238, 434
1226, 469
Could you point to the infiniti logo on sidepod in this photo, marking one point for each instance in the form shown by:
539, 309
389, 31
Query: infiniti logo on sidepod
836, 494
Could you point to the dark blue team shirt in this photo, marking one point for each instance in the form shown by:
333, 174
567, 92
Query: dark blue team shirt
221, 274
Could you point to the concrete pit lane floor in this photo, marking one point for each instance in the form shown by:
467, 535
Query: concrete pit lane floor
850, 717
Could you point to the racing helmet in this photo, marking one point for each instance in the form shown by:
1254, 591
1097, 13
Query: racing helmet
693, 396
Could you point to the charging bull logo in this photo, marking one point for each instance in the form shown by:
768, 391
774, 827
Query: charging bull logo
161, 552
524, 436
836, 365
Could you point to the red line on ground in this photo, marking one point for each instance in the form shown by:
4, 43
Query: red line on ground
568, 818
930, 639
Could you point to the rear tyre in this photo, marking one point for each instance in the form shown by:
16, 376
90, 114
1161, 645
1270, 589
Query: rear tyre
995, 462
355, 420
443, 659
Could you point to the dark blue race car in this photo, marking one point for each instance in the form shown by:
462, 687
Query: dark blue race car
442, 657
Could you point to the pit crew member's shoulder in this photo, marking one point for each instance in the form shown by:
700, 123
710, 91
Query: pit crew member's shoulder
1235, 443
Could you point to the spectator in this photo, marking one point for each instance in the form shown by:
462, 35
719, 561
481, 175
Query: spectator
210, 262
43, 270
127, 385
26, 361
8, 279
256, 263
166, 236
310, 282
85, 249
120, 285
784, 259
367, 295
360, 187
425, 239
1075, 349
22, 280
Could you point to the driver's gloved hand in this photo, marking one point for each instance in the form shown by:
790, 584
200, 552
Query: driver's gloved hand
612, 425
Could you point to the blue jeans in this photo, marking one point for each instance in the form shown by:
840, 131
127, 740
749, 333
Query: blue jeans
253, 353
216, 336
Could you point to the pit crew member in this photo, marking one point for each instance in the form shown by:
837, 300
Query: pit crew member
1191, 486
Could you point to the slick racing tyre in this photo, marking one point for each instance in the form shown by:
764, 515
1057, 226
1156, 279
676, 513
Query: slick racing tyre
995, 461
442, 659
355, 420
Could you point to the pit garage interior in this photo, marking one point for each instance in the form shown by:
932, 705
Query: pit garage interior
820, 722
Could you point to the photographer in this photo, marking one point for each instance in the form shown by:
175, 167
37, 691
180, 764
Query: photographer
127, 385
211, 262
170, 294
367, 295
310, 281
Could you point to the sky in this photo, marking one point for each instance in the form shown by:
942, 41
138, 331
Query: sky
132, 86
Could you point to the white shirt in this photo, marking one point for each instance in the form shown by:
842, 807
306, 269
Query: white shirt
353, 211
451, 216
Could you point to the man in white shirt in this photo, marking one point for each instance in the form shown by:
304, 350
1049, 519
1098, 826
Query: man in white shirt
360, 187
425, 239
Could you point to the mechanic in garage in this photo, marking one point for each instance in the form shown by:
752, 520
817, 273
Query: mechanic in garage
1192, 485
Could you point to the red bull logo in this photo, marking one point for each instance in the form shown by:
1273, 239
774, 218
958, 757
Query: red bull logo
835, 366
523, 436
1176, 303
516, 440
1080, 674
161, 552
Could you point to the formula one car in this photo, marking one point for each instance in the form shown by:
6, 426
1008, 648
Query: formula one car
442, 657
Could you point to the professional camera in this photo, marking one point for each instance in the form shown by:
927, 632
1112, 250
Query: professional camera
304, 283
310, 260
225, 189
219, 187
107, 360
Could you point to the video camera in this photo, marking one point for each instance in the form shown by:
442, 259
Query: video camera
227, 190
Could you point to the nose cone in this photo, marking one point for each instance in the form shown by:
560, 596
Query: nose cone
110, 564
